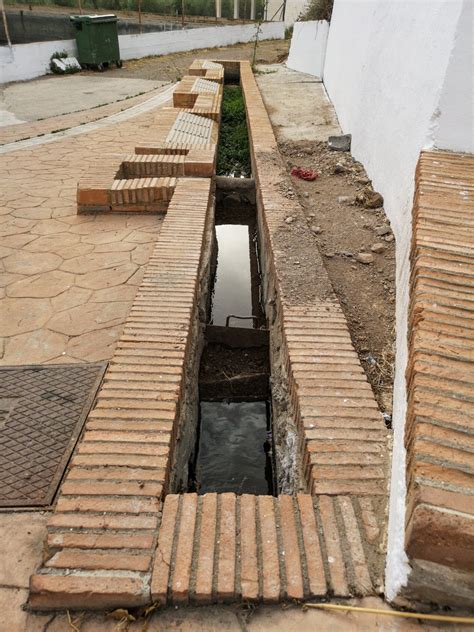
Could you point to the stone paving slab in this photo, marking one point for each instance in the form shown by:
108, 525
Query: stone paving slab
67, 282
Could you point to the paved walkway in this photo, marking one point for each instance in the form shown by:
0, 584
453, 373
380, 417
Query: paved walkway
31, 100
68, 281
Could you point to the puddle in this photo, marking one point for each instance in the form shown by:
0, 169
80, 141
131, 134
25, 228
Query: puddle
235, 299
234, 453
232, 286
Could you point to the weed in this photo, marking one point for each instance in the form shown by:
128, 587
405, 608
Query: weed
234, 152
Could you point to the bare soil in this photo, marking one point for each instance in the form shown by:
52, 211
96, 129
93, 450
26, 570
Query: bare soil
344, 229
173, 67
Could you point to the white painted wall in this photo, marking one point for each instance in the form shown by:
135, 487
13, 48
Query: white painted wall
399, 73
165, 42
308, 47
27, 61
455, 129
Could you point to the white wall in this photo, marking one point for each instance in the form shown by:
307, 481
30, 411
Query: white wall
399, 73
455, 129
308, 47
27, 61
165, 42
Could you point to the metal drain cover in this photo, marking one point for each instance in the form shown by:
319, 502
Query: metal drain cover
42, 411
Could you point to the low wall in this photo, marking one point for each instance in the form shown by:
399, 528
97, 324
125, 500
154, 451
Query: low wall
27, 61
399, 75
308, 47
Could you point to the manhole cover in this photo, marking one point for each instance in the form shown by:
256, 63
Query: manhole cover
42, 411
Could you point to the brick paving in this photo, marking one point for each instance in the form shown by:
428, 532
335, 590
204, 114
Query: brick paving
218, 547
223, 548
439, 431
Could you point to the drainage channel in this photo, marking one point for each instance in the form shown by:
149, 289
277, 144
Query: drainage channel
234, 448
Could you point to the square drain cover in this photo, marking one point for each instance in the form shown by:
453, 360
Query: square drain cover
42, 411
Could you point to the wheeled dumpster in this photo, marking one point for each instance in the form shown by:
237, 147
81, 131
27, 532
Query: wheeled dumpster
97, 40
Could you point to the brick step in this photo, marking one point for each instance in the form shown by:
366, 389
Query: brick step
188, 89
207, 69
136, 194
195, 163
223, 547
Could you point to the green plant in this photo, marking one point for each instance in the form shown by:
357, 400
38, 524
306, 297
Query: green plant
233, 158
317, 10
288, 32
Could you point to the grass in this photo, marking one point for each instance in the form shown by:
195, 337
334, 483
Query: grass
233, 158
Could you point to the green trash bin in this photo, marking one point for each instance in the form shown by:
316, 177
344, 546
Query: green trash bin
97, 40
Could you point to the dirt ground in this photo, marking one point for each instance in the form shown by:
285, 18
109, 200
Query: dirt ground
173, 67
346, 230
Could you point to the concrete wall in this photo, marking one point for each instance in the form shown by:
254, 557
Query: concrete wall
308, 47
399, 74
136, 46
27, 61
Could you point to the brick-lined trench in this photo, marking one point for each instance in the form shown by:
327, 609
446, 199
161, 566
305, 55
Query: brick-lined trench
118, 536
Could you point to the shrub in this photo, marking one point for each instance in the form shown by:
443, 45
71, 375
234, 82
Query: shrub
317, 10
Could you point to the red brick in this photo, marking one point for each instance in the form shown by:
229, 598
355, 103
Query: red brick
130, 505
99, 540
314, 560
270, 563
114, 488
162, 562
52, 592
99, 561
362, 580
369, 519
248, 548
227, 548
91, 521
207, 541
291, 553
184, 550
337, 572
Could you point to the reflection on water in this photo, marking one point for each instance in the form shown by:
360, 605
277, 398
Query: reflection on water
234, 448
232, 286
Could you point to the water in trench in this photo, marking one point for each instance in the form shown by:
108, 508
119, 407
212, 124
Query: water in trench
234, 449
236, 296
